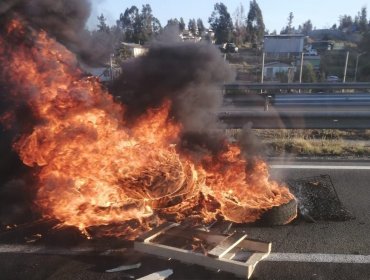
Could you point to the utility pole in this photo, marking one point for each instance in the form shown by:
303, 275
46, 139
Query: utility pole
345, 68
111, 67
263, 67
266, 107
301, 71
358, 56
262, 70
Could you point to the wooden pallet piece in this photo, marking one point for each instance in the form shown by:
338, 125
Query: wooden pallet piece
227, 245
222, 255
150, 235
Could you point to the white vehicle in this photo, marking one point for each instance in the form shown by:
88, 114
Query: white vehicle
333, 79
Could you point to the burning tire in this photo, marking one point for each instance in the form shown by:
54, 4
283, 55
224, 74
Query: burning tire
275, 216
279, 215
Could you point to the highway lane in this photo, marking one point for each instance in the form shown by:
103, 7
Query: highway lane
313, 111
334, 100
322, 250
247, 86
301, 250
296, 108
357, 99
273, 119
352, 183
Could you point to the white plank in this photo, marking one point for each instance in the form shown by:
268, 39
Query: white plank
160, 275
124, 268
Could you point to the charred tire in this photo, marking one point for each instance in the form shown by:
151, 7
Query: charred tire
279, 215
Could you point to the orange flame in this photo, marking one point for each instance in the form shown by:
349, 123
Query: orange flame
96, 170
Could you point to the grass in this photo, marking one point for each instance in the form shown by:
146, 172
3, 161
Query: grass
312, 142
302, 147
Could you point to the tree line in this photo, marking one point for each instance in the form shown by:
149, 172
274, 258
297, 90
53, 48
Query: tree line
140, 25
244, 26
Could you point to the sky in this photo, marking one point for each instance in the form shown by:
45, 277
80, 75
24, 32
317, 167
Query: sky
322, 13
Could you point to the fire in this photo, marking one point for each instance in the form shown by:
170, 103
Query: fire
96, 169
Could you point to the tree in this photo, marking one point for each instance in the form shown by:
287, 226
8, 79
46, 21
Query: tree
290, 22
149, 25
346, 23
157, 27
182, 24
173, 24
221, 23
129, 22
173, 21
139, 27
240, 25
192, 26
102, 25
364, 45
364, 73
255, 24
363, 22
308, 74
200, 25
307, 27
288, 29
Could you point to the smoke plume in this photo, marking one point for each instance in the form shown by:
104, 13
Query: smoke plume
64, 20
188, 74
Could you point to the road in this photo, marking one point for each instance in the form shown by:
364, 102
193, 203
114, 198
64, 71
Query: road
334, 239
305, 100
342, 111
301, 250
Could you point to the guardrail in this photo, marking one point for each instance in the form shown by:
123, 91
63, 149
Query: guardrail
311, 111
296, 86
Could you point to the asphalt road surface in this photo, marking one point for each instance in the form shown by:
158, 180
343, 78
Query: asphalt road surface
296, 117
301, 250
298, 111
307, 101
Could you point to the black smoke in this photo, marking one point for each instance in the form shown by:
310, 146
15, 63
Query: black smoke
65, 21
62, 19
190, 75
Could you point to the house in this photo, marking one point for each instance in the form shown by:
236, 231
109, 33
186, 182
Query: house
322, 46
272, 69
188, 36
134, 50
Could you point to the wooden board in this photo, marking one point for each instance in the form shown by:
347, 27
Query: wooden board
227, 244
150, 235
222, 254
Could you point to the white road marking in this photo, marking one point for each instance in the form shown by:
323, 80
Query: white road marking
273, 257
318, 258
328, 167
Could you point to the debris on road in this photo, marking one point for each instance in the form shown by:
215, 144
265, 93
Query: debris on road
213, 251
318, 199
160, 275
124, 267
